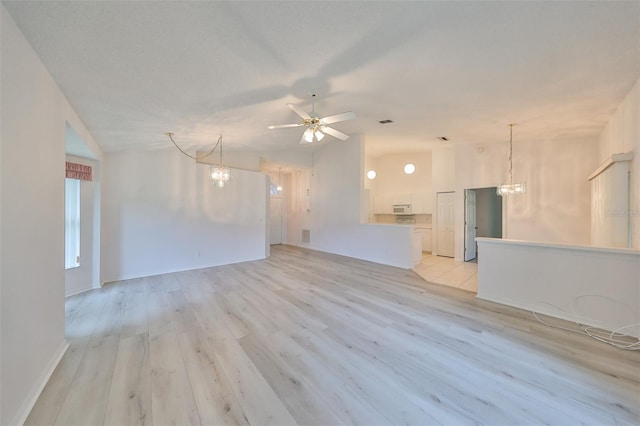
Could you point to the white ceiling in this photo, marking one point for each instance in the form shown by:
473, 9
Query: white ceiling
135, 70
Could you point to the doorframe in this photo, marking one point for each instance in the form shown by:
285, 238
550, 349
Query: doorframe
503, 205
466, 243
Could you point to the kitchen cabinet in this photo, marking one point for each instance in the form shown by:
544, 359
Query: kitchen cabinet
421, 202
401, 198
426, 238
382, 204
416, 253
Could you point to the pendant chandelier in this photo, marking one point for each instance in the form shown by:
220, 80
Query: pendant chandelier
511, 188
220, 174
279, 187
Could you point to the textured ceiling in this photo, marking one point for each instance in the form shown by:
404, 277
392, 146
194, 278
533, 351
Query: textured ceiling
135, 70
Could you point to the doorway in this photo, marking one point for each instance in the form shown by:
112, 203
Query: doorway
82, 267
483, 218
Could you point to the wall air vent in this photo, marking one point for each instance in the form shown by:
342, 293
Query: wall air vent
387, 121
306, 236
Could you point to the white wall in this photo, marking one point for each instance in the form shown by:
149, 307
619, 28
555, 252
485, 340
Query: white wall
391, 178
297, 157
335, 189
588, 285
620, 135
443, 165
610, 206
555, 207
34, 113
162, 214
443, 179
297, 211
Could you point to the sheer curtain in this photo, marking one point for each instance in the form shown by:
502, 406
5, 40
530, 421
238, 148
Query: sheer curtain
72, 224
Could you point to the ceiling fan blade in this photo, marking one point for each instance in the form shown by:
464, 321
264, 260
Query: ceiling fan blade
349, 115
283, 126
302, 113
335, 133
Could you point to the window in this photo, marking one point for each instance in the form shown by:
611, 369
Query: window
72, 224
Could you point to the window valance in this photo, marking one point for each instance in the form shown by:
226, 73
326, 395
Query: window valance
78, 171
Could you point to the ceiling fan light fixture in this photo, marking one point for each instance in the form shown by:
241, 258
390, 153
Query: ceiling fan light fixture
308, 135
317, 126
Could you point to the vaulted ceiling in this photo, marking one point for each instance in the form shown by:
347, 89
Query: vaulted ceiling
464, 70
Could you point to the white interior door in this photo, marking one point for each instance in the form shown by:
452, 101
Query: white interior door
275, 220
470, 225
446, 228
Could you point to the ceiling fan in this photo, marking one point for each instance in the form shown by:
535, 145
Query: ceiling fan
317, 126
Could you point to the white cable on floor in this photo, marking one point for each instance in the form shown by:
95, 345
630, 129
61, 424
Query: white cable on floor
611, 338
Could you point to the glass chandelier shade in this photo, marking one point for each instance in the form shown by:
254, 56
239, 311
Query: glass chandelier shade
220, 175
512, 189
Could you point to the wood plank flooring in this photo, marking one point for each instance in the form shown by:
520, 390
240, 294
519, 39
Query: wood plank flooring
311, 338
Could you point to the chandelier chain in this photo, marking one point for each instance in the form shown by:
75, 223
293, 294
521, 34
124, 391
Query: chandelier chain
195, 157
510, 153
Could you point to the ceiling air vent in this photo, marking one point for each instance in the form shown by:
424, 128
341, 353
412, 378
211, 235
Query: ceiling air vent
387, 121
443, 138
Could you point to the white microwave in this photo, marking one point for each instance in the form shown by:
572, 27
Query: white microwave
402, 209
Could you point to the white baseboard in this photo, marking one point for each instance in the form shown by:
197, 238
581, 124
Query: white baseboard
32, 398
78, 292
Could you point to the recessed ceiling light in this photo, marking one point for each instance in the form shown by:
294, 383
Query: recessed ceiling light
443, 138
409, 168
387, 121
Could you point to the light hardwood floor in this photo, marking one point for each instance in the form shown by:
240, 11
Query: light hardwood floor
307, 337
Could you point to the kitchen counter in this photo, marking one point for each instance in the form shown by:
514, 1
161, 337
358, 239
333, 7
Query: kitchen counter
391, 224
388, 243
421, 241
414, 225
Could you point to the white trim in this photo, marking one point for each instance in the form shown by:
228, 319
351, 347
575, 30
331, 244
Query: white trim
595, 249
615, 158
34, 394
